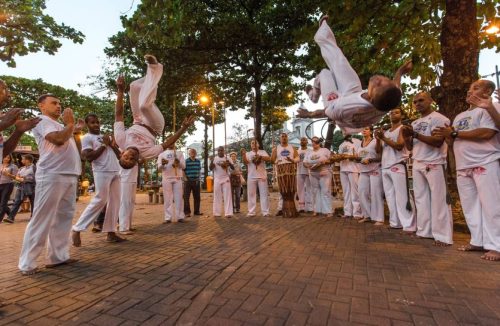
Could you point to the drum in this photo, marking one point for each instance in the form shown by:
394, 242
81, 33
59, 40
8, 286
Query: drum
287, 185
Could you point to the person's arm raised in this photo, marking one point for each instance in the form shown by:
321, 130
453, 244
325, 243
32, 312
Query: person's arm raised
185, 125
58, 138
120, 91
403, 70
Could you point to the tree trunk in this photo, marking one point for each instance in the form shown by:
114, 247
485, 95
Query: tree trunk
258, 115
460, 53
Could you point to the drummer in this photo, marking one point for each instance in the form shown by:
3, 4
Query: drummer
284, 153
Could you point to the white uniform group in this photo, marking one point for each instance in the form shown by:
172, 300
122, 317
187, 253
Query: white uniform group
369, 170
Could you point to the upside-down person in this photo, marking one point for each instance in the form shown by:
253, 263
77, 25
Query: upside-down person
348, 105
138, 141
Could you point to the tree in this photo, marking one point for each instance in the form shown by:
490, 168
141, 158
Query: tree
25, 93
24, 29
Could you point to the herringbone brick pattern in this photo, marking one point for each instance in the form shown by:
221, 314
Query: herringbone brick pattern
255, 271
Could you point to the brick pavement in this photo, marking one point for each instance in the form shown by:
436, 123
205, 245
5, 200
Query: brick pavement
258, 271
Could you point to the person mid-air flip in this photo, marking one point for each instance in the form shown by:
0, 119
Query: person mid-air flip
345, 102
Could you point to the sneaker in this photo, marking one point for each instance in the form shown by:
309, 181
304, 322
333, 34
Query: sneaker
8, 220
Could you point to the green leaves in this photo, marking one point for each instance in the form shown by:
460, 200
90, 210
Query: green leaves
24, 29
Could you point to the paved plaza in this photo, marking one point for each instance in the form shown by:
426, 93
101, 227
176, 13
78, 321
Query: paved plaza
255, 271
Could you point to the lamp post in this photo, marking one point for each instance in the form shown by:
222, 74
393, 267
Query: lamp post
248, 138
225, 131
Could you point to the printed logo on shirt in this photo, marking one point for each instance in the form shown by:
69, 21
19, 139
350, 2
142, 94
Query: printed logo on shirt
421, 127
394, 169
344, 150
363, 153
302, 155
332, 96
285, 153
314, 157
463, 124
170, 156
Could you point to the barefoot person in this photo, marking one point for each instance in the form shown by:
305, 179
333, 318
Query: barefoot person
370, 186
171, 163
283, 154
395, 174
349, 176
220, 166
303, 182
55, 193
97, 148
255, 161
434, 218
350, 107
476, 144
320, 175
138, 141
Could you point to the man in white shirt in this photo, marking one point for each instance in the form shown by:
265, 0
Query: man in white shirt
171, 163
285, 153
255, 161
434, 217
222, 186
476, 144
349, 176
97, 149
138, 141
395, 174
347, 104
55, 193
303, 182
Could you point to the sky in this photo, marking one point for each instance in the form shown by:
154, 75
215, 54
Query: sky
99, 20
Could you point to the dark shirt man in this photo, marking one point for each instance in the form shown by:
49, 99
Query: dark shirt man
192, 184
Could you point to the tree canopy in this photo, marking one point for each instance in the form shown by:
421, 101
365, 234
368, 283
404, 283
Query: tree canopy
24, 29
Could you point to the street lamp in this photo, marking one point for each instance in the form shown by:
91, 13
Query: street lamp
493, 29
205, 100
225, 132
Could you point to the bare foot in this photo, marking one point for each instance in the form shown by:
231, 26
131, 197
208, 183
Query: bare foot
66, 262
112, 237
410, 233
379, 223
470, 247
324, 18
75, 238
30, 272
358, 217
438, 243
151, 59
491, 255
364, 220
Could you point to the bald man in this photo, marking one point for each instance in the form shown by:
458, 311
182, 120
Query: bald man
476, 144
434, 218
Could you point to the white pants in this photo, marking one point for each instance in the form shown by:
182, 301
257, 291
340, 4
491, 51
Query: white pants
371, 195
55, 199
127, 204
304, 192
107, 186
434, 218
252, 185
321, 192
394, 181
142, 99
346, 79
479, 190
173, 196
222, 192
349, 181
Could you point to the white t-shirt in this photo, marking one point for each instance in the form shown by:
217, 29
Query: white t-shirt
319, 156
11, 169
168, 171
350, 149
256, 171
352, 113
129, 175
468, 153
1, 145
282, 153
390, 156
369, 151
301, 169
423, 152
219, 172
107, 161
139, 137
64, 159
